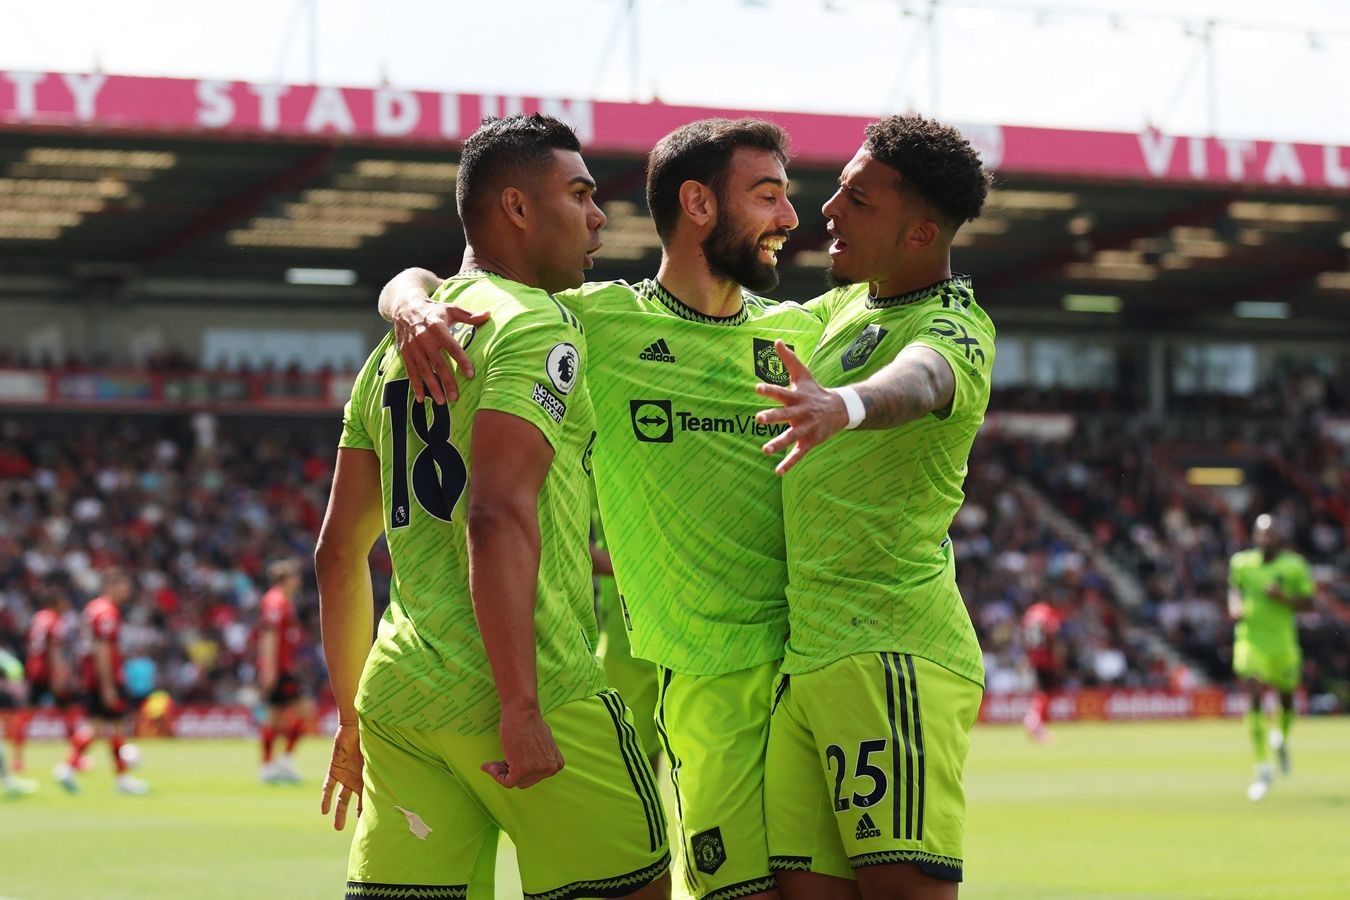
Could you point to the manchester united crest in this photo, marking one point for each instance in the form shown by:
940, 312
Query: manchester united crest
769, 365
861, 349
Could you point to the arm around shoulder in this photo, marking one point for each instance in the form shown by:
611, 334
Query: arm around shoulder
422, 330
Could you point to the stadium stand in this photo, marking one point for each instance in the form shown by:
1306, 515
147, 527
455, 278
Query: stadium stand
170, 375
196, 515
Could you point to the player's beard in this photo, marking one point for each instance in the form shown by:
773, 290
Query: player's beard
835, 280
734, 256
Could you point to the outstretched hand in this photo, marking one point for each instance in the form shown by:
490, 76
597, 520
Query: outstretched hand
344, 771
814, 414
422, 329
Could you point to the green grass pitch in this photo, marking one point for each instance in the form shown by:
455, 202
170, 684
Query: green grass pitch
1105, 811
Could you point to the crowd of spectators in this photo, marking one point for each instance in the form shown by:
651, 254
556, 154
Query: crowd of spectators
1010, 555
1124, 489
197, 506
194, 508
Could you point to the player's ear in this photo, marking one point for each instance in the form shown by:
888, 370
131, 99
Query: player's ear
513, 204
698, 202
922, 234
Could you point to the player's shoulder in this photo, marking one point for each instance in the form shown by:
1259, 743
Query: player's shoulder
521, 315
1293, 558
1244, 558
838, 299
101, 611
601, 294
959, 294
504, 297
954, 298
768, 311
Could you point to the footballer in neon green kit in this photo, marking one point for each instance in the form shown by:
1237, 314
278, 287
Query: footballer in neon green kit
482, 707
694, 523
692, 513
676, 435
883, 675
635, 679
1267, 585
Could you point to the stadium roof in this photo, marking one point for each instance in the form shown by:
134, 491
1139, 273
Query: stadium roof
159, 195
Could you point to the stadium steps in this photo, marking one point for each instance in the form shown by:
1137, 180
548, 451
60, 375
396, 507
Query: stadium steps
1127, 590
1126, 587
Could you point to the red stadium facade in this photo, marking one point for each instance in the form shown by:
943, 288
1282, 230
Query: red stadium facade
233, 109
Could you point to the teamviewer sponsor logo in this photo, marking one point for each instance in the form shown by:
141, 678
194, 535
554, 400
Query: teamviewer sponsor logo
866, 829
655, 422
658, 352
652, 421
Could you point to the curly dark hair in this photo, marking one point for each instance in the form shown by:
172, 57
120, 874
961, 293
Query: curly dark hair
500, 149
701, 151
935, 162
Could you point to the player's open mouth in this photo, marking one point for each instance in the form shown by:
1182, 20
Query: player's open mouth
590, 254
837, 245
771, 246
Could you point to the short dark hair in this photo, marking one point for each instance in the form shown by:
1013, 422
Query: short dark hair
701, 151
499, 150
935, 162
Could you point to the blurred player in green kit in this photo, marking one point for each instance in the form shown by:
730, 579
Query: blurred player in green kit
13, 693
1267, 585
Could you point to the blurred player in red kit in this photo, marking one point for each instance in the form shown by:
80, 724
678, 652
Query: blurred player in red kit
278, 639
106, 699
1041, 625
48, 671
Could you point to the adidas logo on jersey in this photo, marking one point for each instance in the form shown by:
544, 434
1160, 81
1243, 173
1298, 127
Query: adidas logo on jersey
658, 352
866, 829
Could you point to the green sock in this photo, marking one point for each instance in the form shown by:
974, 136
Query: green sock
1286, 721
1256, 723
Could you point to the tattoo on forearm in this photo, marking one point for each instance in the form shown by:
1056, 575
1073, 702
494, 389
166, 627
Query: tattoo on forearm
903, 397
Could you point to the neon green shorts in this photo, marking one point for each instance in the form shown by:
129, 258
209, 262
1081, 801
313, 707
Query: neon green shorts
635, 679
1279, 668
431, 816
715, 729
865, 766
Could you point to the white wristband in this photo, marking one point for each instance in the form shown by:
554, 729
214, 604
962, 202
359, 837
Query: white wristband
853, 403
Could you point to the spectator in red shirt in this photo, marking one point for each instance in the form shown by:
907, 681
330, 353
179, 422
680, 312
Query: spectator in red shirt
288, 707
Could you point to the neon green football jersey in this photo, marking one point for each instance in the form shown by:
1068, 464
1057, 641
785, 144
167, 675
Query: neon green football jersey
1266, 623
691, 505
427, 668
870, 564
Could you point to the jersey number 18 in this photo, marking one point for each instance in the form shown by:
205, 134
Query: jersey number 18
437, 472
